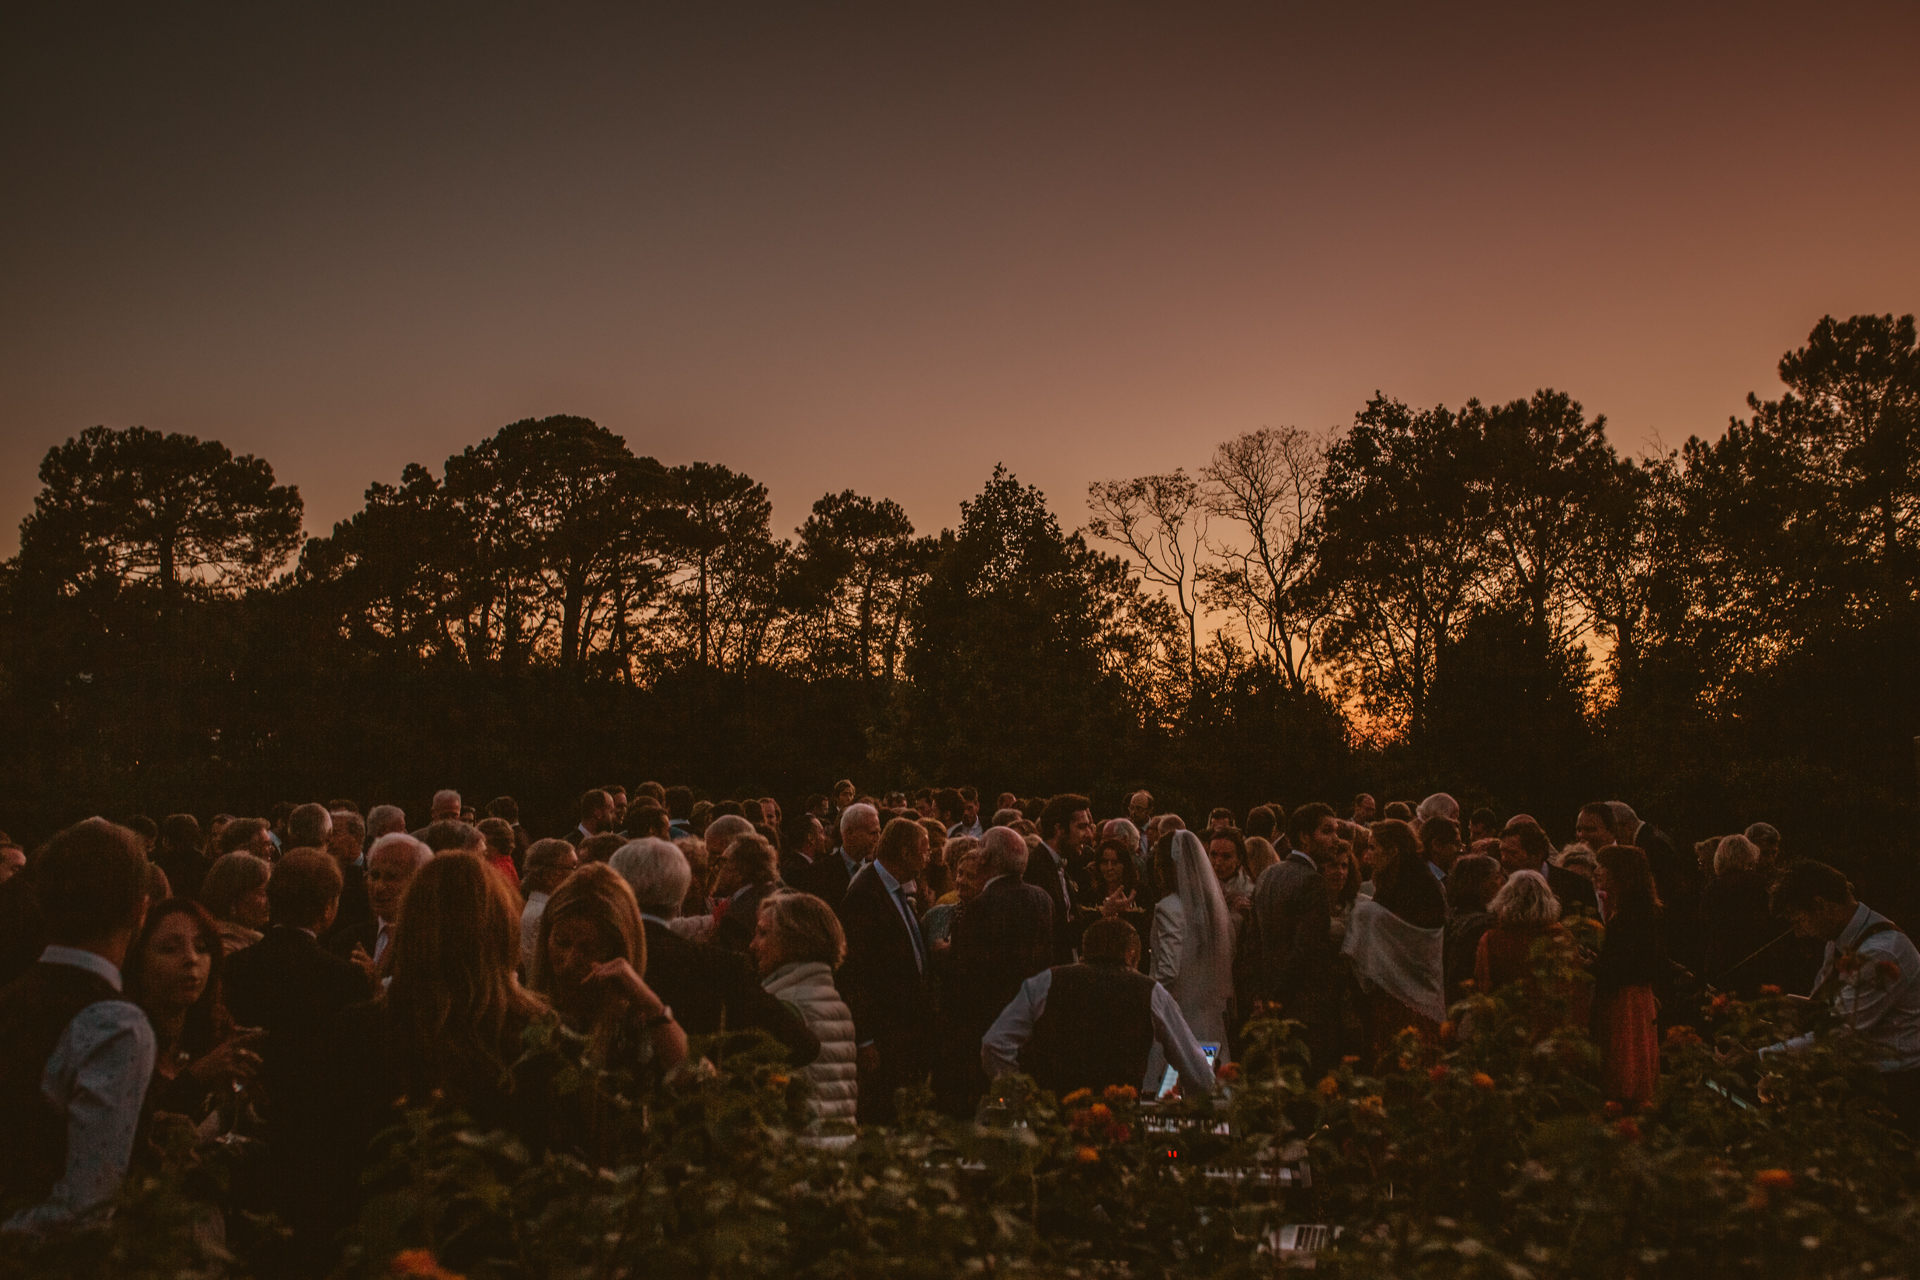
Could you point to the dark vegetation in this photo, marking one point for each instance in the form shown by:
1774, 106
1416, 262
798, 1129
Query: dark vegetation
1486, 598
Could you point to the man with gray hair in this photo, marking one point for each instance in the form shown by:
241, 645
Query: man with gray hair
386, 820
1004, 937
308, 827
1437, 805
391, 865
707, 987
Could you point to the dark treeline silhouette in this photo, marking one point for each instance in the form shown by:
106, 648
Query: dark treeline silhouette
1303, 616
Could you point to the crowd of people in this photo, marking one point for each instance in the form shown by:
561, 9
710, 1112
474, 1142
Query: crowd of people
297, 978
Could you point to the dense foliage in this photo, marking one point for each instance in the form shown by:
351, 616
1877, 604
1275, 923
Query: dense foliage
1488, 598
1485, 1153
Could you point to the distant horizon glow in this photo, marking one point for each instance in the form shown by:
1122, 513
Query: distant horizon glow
882, 249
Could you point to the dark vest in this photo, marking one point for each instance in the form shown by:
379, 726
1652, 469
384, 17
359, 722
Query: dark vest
34, 1012
1096, 1030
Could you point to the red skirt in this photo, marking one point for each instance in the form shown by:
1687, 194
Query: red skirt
1629, 1045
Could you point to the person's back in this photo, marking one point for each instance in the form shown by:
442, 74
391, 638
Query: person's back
1096, 1029
75, 1056
289, 985
808, 987
1735, 928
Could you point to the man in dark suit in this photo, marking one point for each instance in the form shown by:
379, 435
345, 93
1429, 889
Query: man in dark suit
707, 988
804, 843
1525, 847
1002, 938
1066, 844
288, 985
1289, 933
830, 875
744, 874
347, 844
391, 865
884, 979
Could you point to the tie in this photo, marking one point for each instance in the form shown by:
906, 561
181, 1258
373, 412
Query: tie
380, 941
913, 928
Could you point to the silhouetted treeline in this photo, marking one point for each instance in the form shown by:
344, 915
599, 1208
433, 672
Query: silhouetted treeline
1488, 598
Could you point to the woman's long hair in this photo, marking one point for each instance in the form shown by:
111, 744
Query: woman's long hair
599, 894
1633, 885
1206, 949
454, 991
207, 1020
1398, 849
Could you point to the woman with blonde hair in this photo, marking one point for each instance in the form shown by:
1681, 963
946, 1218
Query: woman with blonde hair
451, 1024
797, 945
591, 953
235, 895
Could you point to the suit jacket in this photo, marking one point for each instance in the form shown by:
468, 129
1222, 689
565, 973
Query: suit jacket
341, 942
1574, 890
1294, 961
1001, 938
354, 907
708, 988
1050, 875
289, 985
881, 981
794, 869
737, 926
827, 879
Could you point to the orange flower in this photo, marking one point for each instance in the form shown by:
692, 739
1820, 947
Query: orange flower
1721, 1002
1769, 990
1087, 1155
1126, 1092
1628, 1129
1328, 1086
1481, 1080
1439, 1071
1447, 1032
1078, 1095
777, 1080
1679, 1036
1100, 1111
1774, 1178
1350, 1059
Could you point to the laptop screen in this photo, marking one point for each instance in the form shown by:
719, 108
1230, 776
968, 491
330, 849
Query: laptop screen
1172, 1078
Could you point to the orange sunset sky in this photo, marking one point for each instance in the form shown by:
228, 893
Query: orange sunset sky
884, 246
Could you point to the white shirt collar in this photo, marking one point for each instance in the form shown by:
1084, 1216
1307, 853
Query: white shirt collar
80, 958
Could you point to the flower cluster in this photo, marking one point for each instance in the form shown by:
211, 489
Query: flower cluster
1096, 1122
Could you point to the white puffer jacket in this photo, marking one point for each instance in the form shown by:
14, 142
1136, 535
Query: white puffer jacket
808, 987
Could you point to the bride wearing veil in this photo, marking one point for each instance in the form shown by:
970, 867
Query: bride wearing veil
1192, 945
